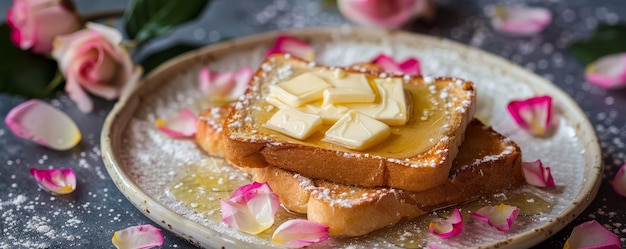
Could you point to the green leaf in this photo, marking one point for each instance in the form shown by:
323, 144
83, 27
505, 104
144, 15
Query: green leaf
605, 40
327, 4
22, 72
147, 19
153, 60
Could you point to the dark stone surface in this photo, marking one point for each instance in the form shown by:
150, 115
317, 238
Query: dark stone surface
32, 218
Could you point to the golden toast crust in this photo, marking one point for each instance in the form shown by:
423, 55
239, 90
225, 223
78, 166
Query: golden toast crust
245, 146
488, 163
209, 129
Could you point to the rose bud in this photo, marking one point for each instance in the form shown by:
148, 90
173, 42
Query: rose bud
93, 60
35, 23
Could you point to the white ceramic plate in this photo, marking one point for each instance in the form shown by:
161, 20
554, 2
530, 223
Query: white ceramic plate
144, 162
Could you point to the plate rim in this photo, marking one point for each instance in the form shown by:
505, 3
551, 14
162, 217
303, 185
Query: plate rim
130, 100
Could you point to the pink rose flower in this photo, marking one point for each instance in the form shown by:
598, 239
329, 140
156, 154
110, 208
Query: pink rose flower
93, 60
388, 14
35, 23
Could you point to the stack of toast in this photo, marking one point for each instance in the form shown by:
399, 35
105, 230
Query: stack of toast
426, 151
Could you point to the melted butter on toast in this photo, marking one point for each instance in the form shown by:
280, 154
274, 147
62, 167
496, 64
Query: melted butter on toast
433, 105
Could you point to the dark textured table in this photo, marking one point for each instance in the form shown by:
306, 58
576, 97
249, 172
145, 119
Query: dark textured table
32, 218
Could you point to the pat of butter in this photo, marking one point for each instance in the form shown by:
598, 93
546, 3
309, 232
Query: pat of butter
348, 88
294, 123
348, 95
357, 131
300, 90
275, 102
329, 113
392, 108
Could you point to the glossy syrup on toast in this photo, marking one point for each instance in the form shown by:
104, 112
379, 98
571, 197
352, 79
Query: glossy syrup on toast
416, 156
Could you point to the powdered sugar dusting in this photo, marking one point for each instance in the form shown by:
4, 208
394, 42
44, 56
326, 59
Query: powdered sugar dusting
40, 229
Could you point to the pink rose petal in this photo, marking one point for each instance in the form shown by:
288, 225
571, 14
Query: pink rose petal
42, 123
242, 80
449, 227
619, 181
238, 215
225, 86
533, 114
608, 71
520, 20
300, 233
501, 217
390, 14
58, 181
78, 95
409, 66
537, 175
592, 235
93, 61
180, 126
142, 236
215, 83
251, 208
291, 45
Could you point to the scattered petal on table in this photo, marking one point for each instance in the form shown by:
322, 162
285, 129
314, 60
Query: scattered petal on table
58, 181
537, 175
533, 114
300, 233
409, 66
449, 227
179, 126
142, 236
501, 217
225, 86
608, 71
592, 235
42, 123
251, 208
520, 20
293, 46
619, 181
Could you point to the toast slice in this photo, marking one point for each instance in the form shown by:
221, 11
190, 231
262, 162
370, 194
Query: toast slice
417, 155
209, 129
487, 163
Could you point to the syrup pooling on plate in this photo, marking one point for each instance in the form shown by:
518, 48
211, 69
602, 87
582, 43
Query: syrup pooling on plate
281, 216
200, 185
416, 234
529, 203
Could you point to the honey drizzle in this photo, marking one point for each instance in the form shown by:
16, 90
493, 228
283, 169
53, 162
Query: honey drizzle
402, 137
201, 184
